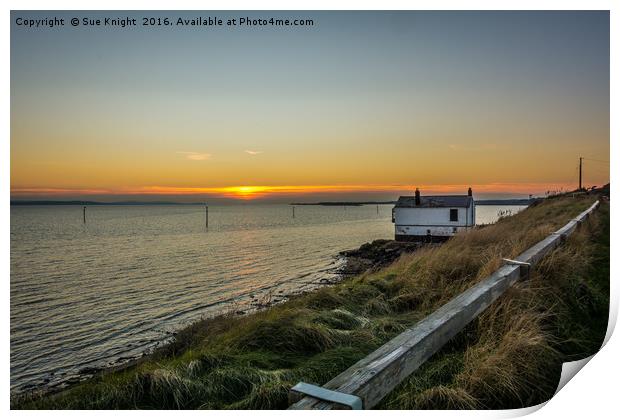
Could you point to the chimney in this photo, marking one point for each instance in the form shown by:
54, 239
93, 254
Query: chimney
469, 193
417, 197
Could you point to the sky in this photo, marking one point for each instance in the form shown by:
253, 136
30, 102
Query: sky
359, 105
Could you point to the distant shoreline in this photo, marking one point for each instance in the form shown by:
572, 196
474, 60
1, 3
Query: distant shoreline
343, 203
499, 202
98, 203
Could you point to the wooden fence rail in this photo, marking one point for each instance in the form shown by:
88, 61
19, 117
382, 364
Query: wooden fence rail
373, 377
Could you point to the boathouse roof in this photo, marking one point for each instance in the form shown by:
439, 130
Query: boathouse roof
436, 201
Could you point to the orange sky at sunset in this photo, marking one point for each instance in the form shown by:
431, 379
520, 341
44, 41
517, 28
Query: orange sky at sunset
503, 102
256, 192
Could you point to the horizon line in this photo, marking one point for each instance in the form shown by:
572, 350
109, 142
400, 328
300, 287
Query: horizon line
249, 192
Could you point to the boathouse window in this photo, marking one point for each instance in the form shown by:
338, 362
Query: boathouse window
454, 215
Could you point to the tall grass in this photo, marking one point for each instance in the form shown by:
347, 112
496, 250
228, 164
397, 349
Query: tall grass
509, 357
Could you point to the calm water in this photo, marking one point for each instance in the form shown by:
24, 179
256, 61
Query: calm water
94, 294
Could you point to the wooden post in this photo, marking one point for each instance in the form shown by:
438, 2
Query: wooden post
580, 165
377, 209
206, 216
293, 212
84, 213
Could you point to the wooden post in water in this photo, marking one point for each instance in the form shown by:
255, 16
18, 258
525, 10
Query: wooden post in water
206, 216
377, 209
84, 213
293, 212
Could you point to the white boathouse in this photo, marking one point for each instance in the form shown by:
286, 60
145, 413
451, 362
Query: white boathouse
432, 218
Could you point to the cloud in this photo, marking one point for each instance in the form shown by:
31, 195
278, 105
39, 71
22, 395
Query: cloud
196, 156
472, 148
252, 152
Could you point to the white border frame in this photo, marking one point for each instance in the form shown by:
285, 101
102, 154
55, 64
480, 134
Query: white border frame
592, 393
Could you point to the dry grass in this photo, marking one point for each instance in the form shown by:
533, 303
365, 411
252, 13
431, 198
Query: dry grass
511, 355
508, 357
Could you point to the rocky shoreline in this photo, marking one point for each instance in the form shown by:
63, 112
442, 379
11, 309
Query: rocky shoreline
376, 255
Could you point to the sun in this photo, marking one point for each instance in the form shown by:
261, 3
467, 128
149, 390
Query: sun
246, 192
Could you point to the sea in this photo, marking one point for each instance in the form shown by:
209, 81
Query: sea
90, 295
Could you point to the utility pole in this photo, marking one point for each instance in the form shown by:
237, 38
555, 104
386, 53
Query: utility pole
580, 165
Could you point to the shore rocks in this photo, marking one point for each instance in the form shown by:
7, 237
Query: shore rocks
375, 255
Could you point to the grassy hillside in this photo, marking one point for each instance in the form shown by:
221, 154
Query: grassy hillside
509, 357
